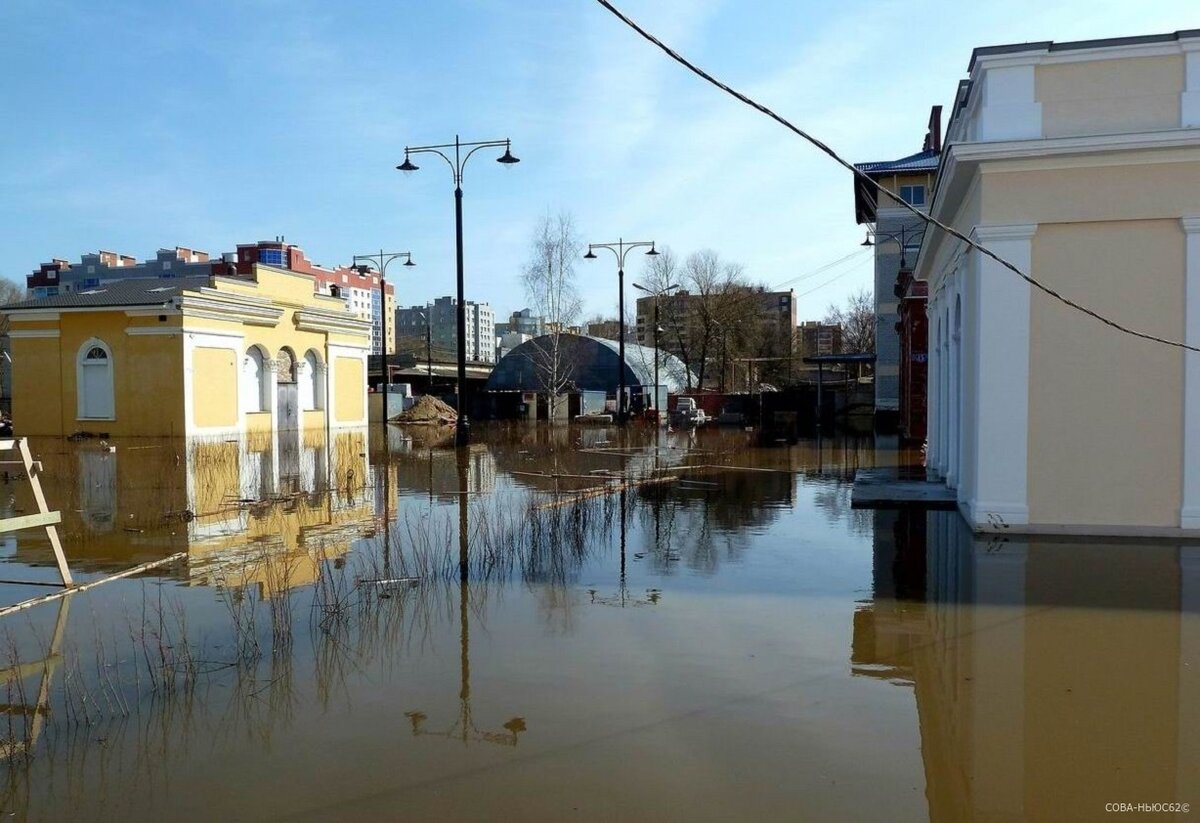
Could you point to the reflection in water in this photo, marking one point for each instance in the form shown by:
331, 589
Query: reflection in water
1050, 676
329, 590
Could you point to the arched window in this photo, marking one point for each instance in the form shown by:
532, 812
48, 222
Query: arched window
256, 382
312, 382
94, 382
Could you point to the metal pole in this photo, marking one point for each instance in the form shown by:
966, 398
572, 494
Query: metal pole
820, 386
656, 409
462, 433
621, 342
428, 353
383, 354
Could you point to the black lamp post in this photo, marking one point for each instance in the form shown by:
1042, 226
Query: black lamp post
462, 432
657, 331
620, 249
381, 260
903, 236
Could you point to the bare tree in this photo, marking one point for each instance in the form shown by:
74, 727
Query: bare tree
549, 280
10, 292
857, 319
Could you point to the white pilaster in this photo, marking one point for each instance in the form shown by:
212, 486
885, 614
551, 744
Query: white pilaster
1189, 100
998, 323
932, 400
954, 398
1009, 109
1189, 514
944, 377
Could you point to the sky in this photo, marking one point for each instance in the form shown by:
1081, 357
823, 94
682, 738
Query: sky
132, 126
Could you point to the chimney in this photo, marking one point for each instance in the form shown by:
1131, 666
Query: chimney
933, 137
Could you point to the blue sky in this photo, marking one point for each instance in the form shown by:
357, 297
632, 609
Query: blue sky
136, 125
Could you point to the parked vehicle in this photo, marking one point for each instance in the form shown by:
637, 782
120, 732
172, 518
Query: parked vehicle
687, 413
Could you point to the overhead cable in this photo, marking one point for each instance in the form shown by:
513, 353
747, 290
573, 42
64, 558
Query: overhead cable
867, 180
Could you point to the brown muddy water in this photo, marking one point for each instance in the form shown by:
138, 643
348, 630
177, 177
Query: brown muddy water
732, 642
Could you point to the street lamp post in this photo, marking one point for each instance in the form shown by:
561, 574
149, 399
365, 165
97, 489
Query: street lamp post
905, 234
620, 249
462, 425
380, 260
665, 290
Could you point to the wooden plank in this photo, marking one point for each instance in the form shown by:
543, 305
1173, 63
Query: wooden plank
47, 598
28, 521
60, 556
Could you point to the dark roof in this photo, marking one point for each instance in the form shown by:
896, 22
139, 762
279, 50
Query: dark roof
921, 161
141, 291
1049, 45
592, 365
865, 357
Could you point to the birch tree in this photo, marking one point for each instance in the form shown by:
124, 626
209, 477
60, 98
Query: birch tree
549, 280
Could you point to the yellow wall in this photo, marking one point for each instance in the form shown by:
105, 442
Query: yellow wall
349, 378
36, 381
148, 369
894, 183
147, 393
1150, 185
1105, 409
214, 387
1110, 96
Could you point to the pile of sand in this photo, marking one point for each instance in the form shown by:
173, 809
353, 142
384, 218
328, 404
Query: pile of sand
429, 411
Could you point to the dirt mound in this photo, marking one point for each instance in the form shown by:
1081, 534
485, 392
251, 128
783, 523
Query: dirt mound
428, 410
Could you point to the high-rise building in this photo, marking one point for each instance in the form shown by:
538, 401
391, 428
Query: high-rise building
523, 322
442, 316
817, 338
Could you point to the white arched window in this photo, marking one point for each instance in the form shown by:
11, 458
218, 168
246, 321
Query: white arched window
94, 381
256, 382
312, 382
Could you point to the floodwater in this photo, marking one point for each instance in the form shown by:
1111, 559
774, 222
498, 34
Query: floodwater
730, 642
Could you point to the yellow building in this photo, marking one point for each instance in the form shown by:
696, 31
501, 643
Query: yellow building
1080, 164
189, 356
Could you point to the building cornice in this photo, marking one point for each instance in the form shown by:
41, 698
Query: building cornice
961, 162
1016, 231
319, 320
211, 304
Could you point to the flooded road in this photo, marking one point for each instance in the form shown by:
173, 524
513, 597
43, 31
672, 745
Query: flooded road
698, 629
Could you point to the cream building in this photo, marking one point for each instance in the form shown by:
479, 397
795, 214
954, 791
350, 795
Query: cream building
189, 356
1079, 163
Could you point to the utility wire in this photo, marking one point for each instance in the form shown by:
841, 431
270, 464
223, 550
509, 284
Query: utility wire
867, 180
820, 269
833, 279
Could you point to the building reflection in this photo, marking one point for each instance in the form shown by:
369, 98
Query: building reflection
1050, 676
244, 513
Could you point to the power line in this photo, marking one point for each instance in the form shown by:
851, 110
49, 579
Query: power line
850, 270
866, 179
821, 269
